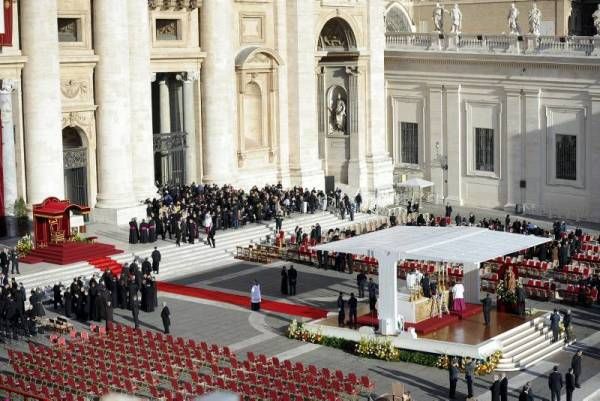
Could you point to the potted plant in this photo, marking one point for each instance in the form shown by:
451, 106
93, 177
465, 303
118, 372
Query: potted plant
20, 212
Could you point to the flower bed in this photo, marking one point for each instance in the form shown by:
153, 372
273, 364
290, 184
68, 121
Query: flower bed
383, 349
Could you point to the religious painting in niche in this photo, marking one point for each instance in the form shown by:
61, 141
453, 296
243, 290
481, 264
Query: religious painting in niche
336, 35
168, 29
337, 107
68, 30
253, 116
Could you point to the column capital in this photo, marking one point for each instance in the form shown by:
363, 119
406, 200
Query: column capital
8, 86
188, 77
352, 70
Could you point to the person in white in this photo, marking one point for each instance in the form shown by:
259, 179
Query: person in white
410, 280
458, 297
513, 23
456, 17
535, 20
255, 296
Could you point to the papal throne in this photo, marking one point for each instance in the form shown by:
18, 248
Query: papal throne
57, 236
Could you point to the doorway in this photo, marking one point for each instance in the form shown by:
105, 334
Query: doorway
75, 166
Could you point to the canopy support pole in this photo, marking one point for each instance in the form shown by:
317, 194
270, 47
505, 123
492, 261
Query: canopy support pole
388, 293
472, 283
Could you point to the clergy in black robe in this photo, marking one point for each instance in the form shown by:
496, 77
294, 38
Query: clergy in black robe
504, 388
156, 257
68, 303
133, 232
146, 267
109, 316
122, 293
425, 286
165, 315
93, 295
152, 231
144, 234
132, 290
112, 289
495, 389
135, 311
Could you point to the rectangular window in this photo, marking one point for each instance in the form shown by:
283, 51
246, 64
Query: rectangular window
69, 29
409, 143
484, 149
566, 157
168, 29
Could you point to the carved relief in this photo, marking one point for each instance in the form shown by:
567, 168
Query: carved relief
173, 4
72, 89
77, 118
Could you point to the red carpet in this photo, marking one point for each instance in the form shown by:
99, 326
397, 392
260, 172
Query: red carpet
243, 301
429, 325
106, 263
69, 252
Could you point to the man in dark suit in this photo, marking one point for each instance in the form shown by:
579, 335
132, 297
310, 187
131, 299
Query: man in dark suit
341, 310
487, 308
555, 383
570, 384
495, 389
576, 366
525, 394
554, 325
353, 306
292, 279
469, 373
504, 388
156, 256
453, 376
165, 315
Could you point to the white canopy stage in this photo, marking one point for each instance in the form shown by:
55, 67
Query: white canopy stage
416, 183
469, 246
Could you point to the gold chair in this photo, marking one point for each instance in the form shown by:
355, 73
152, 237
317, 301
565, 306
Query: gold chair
56, 236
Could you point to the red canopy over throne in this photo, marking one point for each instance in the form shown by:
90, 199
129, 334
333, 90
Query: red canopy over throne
51, 221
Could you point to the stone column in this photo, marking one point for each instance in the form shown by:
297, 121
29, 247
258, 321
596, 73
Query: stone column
189, 124
164, 106
115, 178
388, 294
282, 106
9, 163
42, 101
513, 149
218, 91
453, 146
534, 149
379, 165
141, 94
305, 166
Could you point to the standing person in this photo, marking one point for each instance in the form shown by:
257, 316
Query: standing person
4, 262
469, 373
109, 316
453, 376
448, 210
458, 298
361, 281
372, 295
135, 311
284, 281
495, 389
487, 307
255, 297
521, 297
576, 366
156, 257
292, 279
134, 232
165, 315
211, 236
554, 325
567, 324
555, 383
57, 296
14, 259
278, 222
504, 388
353, 306
341, 310
570, 384
525, 394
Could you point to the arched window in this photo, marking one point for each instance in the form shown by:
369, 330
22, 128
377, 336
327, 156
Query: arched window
71, 138
397, 20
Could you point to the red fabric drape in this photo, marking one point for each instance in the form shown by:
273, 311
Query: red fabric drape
7, 36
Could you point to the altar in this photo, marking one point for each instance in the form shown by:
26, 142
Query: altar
417, 309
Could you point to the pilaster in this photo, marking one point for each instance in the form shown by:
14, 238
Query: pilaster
534, 149
513, 149
453, 144
594, 154
439, 161
9, 163
282, 71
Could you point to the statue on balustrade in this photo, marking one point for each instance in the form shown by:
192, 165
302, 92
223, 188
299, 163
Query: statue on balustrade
596, 17
513, 23
456, 17
438, 18
535, 20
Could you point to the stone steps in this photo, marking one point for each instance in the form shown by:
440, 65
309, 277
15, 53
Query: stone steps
526, 345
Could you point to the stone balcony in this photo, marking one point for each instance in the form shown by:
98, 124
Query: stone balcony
557, 46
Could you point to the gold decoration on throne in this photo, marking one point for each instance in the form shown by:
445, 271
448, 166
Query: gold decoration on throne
56, 236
